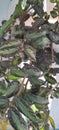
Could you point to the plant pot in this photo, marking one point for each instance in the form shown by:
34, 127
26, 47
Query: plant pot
5, 125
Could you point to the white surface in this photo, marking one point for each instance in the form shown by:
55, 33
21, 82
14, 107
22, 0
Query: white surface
54, 112
6, 8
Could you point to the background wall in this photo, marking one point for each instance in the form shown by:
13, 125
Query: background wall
6, 8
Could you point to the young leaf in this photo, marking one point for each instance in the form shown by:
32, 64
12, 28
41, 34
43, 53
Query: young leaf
12, 77
52, 122
16, 60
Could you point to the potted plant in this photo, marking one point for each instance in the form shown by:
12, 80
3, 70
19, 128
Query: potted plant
25, 90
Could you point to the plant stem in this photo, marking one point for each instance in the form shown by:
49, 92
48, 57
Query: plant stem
52, 51
19, 92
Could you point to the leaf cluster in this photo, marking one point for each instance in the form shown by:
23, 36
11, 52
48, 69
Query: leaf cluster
30, 85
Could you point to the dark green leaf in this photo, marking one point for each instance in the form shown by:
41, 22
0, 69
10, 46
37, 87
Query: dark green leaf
2, 84
36, 99
54, 37
12, 89
50, 79
42, 57
3, 88
39, 9
31, 72
53, 1
47, 16
44, 91
46, 127
5, 27
6, 64
23, 106
39, 22
2, 70
18, 33
53, 14
57, 59
56, 92
35, 35
32, 1
16, 119
10, 45
8, 52
42, 41
36, 81
4, 102
54, 71
17, 72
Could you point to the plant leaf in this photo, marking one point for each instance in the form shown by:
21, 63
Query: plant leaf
7, 24
12, 89
52, 122
23, 106
12, 77
10, 45
53, 1
53, 14
42, 41
32, 71
36, 81
50, 79
38, 22
54, 37
16, 119
8, 52
56, 92
17, 72
36, 99
35, 35
4, 102
32, 1
3, 88
31, 52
